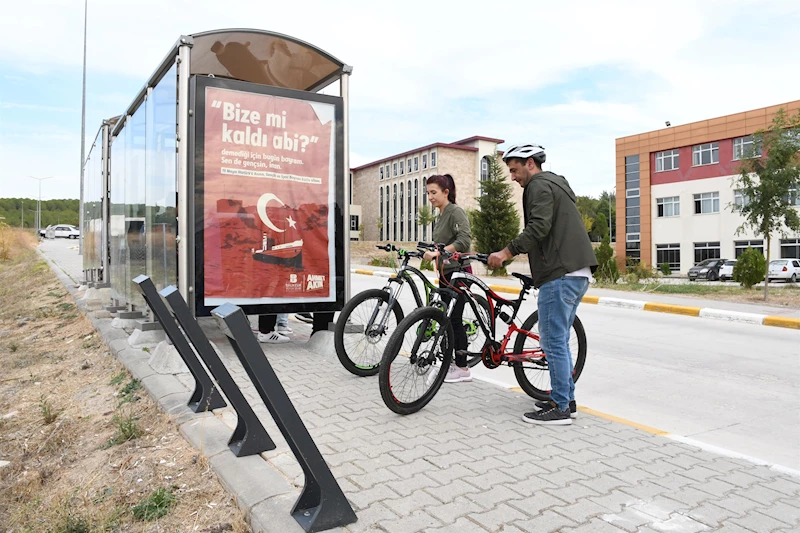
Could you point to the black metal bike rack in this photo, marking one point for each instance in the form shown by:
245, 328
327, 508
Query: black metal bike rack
203, 398
321, 505
249, 437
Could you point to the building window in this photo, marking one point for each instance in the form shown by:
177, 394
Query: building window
670, 254
416, 208
667, 160
381, 172
632, 172
705, 154
433, 159
740, 246
705, 250
410, 209
401, 207
424, 161
408, 165
380, 204
485, 168
416, 163
669, 206
387, 172
707, 202
790, 248
792, 197
745, 148
394, 211
633, 251
394, 168
386, 224
632, 196
401, 168
740, 200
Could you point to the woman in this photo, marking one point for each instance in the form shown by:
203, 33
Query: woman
452, 229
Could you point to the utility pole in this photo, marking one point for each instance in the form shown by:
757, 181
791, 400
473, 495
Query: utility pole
83, 124
39, 203
22, 218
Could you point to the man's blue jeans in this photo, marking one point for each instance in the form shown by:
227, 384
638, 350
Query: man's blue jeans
558, 304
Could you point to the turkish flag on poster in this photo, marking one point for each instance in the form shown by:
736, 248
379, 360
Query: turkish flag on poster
268, 191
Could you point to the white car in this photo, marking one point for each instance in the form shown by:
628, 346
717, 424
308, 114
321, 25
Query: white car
62, 230
726, 272
785, 269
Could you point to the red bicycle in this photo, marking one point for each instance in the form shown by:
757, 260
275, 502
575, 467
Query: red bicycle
419, 352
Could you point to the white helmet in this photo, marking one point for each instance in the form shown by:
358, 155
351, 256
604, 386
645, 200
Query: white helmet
524, 151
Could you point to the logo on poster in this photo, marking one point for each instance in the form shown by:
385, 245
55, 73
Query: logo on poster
293, 285
292, 278
315, 282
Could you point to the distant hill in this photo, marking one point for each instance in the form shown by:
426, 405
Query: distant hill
53, 212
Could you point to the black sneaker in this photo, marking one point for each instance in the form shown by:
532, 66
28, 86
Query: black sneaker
304, 317
552, 416
573, 408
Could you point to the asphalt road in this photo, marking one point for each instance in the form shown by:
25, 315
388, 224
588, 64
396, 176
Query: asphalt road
729, 385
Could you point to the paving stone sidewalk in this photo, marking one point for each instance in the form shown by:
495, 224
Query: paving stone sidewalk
466, 463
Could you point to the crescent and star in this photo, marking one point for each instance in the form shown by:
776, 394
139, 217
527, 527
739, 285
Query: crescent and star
261, 206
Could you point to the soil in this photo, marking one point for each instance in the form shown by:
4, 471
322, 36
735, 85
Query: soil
82, 446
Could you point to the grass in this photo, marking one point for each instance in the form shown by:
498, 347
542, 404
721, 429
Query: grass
127, 429
48, 414
119, 378
156, 505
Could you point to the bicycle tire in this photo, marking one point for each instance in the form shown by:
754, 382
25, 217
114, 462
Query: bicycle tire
392, 351
519, 346
345, 358
475, 358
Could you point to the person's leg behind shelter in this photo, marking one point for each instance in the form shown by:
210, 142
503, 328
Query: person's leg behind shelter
267, 330
283, 324
459, 371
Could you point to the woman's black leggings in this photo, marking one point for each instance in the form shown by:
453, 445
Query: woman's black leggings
458, 326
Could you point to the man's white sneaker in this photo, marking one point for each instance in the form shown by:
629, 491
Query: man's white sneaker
284, 329
457, 375
273, 337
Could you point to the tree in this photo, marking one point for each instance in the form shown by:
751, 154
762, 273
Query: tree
749, 268
607, 269
600, 226
766, 183
425, 216
496, 222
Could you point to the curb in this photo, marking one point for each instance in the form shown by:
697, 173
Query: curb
657, 307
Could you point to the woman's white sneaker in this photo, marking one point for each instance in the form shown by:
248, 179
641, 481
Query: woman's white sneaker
273, 337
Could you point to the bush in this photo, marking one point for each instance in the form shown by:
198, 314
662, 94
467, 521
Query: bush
425, 265
750, 268
607, 269
385, 261
638, 270
665, 269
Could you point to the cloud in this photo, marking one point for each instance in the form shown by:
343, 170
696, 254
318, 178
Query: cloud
571, 76
37, 107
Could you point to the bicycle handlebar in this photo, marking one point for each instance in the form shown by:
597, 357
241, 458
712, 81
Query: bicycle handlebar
390, 247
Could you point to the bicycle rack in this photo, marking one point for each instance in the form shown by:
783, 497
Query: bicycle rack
203, 397
249, 437
321, 505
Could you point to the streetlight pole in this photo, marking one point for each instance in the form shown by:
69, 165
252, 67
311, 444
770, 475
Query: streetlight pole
39, 203
83, 124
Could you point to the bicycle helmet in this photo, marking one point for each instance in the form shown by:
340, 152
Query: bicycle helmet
524, 151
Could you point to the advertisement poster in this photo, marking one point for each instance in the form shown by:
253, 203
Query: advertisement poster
268, 199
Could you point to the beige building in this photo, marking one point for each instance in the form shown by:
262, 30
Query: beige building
390, 191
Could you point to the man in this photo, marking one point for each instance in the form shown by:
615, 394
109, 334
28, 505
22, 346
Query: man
562, 262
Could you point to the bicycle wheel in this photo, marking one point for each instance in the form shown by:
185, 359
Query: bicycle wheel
416, 360
533, 376
476, 338
360, 343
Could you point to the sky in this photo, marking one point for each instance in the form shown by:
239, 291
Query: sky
571, 76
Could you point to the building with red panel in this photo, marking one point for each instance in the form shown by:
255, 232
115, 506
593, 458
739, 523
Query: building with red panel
675, 195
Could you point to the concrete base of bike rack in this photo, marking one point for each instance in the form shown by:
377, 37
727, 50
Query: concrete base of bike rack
321, 342
166, 360
145, 337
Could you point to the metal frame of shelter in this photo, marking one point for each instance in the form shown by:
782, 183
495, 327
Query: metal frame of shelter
156, 236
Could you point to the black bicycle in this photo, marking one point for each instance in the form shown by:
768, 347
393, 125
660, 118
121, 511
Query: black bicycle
369, 318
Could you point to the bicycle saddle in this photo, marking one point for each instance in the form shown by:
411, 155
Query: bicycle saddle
527, 280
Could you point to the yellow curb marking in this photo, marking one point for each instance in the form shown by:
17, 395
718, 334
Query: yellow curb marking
367, 272
782, 322
674, 309
591, 300
612, 418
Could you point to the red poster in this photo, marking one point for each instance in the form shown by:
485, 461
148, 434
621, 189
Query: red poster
268, 193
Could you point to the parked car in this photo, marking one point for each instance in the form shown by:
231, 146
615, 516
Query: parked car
784, 269
708, 269
66, 231
726, 272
